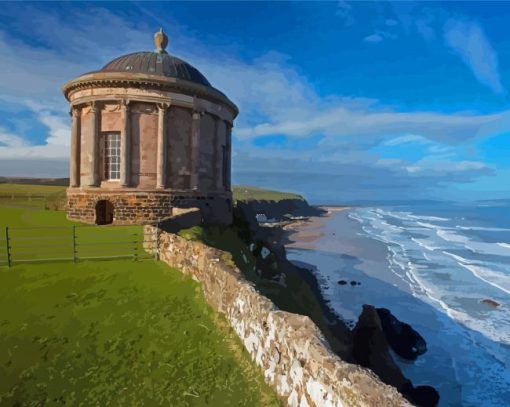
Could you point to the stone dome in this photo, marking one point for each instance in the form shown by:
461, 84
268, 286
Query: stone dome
156, 63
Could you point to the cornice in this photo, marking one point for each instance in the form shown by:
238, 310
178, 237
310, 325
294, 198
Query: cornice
144, 81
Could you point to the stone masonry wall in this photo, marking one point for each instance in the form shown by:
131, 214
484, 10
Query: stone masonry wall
129, 208
289, 348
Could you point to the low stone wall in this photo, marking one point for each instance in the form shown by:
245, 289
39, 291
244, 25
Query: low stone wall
289, 348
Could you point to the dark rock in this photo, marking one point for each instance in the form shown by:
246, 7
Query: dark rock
342, 282
371, 349
421, 396
354, 283
403, 339
491, 303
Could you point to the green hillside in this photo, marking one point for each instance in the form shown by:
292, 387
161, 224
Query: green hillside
117, 332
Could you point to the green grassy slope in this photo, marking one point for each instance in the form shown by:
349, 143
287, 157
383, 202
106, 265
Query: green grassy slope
112, 332
247, 193
117, 333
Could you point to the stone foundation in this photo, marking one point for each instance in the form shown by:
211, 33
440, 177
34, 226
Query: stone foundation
128, 207
289, 348
133, 207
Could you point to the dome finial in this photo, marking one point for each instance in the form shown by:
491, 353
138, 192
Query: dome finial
160, 41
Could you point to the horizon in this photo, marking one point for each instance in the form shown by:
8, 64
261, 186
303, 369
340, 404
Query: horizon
386, 101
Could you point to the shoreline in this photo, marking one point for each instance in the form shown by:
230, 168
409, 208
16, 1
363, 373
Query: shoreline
300, 234
308, 235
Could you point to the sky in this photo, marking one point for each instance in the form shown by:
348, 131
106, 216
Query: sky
339, 101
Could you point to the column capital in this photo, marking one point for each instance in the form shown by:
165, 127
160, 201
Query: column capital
163, 106
74, 111
124, 103
93, 106
197, 114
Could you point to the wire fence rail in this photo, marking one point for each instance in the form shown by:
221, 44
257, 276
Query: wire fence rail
74, 243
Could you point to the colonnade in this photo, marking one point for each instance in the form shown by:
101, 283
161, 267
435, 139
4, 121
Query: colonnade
221, 156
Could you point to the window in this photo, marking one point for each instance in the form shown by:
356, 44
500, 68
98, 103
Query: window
112, 156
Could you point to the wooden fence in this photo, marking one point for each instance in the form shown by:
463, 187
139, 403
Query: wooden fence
72, 243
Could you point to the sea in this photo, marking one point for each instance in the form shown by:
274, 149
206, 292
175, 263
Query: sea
434, 266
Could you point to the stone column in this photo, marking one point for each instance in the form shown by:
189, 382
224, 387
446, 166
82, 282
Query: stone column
94, 145
125, 145
228, 152
218, 151
195, 149
161, 157
74, 164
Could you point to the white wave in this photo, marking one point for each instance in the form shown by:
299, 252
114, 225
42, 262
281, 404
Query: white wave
481, 271
481, 228
425, 244
497, 280
445, 234
485, 327
429, 218
494, 249
429, 225
459, 258
411, 216
353, 216
396, 215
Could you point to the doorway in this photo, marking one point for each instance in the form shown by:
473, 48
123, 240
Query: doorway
104, 212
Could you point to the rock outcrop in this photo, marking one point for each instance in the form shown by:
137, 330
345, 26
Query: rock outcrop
403, 339
371, 349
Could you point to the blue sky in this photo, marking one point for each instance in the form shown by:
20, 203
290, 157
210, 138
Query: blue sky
339, 101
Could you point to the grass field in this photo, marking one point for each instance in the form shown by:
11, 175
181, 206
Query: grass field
247, 193
38, 234
53, 197
117, 333
112, 332
32, 196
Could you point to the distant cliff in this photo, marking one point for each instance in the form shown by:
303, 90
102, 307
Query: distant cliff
273, 204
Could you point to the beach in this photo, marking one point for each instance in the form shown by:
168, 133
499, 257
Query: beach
467, 361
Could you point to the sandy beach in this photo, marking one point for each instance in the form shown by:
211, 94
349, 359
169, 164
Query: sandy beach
302, 234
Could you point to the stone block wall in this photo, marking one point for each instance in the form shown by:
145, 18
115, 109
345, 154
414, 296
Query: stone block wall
289, 348
215, 208
129, 208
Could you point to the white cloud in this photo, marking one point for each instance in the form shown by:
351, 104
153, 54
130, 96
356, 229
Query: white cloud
409, 138
56, 144
274, 98
344, 11
374, 38
341, 121
468, 40
10, 141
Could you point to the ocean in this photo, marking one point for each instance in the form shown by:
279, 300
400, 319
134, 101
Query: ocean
442, 268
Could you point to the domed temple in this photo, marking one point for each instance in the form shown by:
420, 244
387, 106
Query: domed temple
149, 134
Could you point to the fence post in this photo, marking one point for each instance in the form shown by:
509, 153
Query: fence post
74, 244
135, 247
8, 246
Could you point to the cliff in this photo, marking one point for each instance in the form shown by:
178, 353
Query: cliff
275, 205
